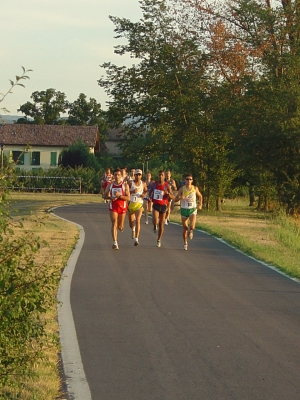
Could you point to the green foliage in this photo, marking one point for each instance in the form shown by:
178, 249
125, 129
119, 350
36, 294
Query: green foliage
26, 291
215, 89
88, 113
63, 180
77, 155
13, 84
46, 107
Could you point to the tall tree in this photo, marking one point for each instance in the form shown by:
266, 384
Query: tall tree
84, 112
88, 112
46, 108
169, 93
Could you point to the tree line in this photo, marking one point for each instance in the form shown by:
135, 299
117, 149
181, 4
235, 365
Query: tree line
215, 88
49, 106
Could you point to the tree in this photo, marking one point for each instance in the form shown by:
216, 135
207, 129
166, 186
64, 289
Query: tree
216, 87
77, 155
156, 93
84, 112
169, 94
46, 107
265, 103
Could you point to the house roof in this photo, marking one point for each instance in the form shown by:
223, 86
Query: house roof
47, 135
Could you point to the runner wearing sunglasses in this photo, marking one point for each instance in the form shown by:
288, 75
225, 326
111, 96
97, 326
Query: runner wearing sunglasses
187, 195
138, 191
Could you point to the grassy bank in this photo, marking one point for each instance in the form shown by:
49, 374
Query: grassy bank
269, 238
273, 240
44, 384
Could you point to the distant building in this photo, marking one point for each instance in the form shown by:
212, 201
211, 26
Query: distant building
39, 146
115, 136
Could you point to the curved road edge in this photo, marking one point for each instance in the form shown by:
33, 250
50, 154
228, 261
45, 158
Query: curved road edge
75, 379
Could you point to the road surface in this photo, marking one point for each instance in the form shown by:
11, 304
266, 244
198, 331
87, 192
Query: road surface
162, 323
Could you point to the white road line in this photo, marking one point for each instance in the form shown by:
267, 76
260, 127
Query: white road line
75, 379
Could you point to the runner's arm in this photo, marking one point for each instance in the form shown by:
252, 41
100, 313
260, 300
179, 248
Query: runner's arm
127, 193
170, 192
200, 197
178, 195
145, 191
107, 194
151, 191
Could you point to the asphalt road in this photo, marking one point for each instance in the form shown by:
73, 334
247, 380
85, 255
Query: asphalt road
162, 323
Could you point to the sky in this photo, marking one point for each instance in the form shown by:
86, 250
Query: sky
63, 42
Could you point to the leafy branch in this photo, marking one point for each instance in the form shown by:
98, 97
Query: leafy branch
15, 83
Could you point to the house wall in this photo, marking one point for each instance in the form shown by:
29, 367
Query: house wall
27, 156
112, 147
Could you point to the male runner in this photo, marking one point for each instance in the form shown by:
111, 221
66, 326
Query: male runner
147, 200
124, 174
118, 194
131, 176
187, 195
160, 193
173, 185
138, 190
107, 177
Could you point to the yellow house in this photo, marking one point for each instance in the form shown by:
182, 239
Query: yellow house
39, 146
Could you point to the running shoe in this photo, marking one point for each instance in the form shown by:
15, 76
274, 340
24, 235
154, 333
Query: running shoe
166, 222
158, 244
155, 229
115, 246
146, 222
136, 242
191, 234
185, 246
133, 234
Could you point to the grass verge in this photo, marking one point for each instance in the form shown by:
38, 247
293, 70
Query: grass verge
264, 236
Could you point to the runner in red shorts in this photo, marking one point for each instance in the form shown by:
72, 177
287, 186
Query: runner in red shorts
160, 194
118, 194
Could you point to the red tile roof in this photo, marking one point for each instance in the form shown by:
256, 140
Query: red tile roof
47, 135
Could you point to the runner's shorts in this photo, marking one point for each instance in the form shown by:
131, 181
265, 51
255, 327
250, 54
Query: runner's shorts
116, 207
133, 207
161, 208
186, 212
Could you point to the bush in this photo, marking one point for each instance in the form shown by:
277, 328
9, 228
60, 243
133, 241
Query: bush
26, 291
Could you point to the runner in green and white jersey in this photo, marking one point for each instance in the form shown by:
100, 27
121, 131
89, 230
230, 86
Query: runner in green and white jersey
187, 195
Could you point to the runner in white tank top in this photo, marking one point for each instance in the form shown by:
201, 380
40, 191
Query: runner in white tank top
187, 195
138, 190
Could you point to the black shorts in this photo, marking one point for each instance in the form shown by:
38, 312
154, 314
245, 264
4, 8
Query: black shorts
161, 208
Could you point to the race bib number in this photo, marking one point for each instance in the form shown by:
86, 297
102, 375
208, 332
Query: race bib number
116, 190
189, 203
134, 198
158, 194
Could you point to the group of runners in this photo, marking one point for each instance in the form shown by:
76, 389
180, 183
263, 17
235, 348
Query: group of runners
129, 193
